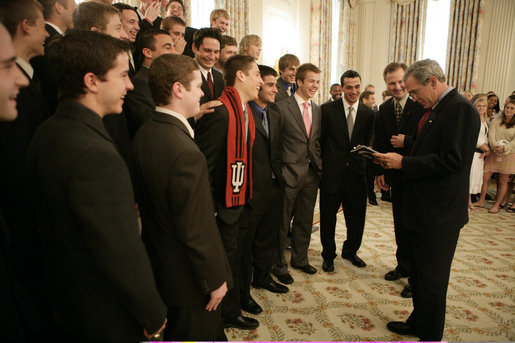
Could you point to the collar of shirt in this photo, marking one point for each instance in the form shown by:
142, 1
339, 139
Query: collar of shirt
178, 116
286, 85
402, 102
346, 108
444, 93
258, 108
141, 15
57, 28
204, 73
301, 102
26, 67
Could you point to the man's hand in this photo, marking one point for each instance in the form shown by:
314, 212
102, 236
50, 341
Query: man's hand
499, 149
180, 44
155, 335
216, 297
397, 141
208, 107
381, 183
390, 160
153, 11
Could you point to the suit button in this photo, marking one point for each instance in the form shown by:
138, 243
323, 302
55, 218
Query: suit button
347, 164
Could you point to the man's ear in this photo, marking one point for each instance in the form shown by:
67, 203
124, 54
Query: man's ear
194, 48
178, 90
240, 75
91, 82
92, 28
147, 53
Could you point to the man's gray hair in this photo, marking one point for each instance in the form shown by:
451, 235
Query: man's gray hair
423, 70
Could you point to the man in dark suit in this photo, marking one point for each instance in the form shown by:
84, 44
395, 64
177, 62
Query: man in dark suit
226, 138
368, 99
139, 104
286, 84
24, 21
345, 124
266, 203
59, 19
397, 121
15, 323
435, 195
130, 24
206, 46
99, 278
301, 170
179, 228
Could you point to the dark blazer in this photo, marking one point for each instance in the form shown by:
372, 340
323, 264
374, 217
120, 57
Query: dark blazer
336, 145
281, 91
99, 276
188, 37
139, 104
211, 137
43, 70
145, 24
266, 158
299, 152
436, 171
179, 228
386, 125
219, 84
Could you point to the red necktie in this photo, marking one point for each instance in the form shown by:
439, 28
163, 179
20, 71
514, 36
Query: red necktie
422, 121
210, 84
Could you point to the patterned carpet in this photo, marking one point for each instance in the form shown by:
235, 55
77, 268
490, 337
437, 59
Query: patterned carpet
353, 304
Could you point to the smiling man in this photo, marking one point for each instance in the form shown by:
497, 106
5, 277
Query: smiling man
206, 47
301, 170
219, 19
346, 123
288, 65
96, 266
226, 138
396, 122
130, 21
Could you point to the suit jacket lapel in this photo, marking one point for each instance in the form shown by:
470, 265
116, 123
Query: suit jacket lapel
258, 122
359, 122
315, 118
170, 120
406, 114
293, 106
205, 88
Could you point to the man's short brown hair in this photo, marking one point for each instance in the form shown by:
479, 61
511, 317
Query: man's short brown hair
48, 6
14, 12
288, 60
166, 70
93, 14
365, 95
246, 41
228, 40
390, 68
303, 70
235, 63
215, 14
169, 22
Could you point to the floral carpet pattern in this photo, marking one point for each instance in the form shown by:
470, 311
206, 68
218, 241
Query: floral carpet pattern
354, 304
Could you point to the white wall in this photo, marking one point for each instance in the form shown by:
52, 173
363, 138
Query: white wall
284, 26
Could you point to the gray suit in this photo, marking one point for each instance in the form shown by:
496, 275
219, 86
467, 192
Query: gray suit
301, 170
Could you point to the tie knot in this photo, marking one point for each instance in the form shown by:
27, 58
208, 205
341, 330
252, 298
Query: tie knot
306, 105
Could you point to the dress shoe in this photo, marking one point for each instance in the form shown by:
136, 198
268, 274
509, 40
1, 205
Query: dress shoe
373, 202
307, 269
272, 286
241, 322
328, 266
284, 278
393, 275
355, 260
407, 292
251, 306
401, 328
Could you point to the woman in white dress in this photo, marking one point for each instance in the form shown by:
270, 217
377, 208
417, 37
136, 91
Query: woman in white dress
482, 149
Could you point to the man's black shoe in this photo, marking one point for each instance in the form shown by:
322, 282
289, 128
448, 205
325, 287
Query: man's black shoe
328, 266
393, 275
407, 292
401, 328
272, 286
251, 306
284, 278
241, 322
355, 260
373, 202
307, 269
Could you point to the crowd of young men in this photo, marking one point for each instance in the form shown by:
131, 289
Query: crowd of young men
221, 160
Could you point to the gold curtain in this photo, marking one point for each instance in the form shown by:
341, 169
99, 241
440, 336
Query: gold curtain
407, 34
320, 54
463, 44
187, 12
347, 37
239, 16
